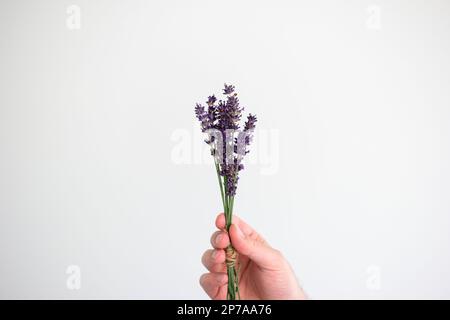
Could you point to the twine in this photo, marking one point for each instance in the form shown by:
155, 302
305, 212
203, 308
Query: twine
231, 256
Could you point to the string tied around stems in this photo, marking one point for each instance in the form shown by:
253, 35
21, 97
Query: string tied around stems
230, 256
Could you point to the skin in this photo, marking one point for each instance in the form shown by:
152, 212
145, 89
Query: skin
264, 272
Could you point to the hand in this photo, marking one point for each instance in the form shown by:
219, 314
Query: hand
264, 273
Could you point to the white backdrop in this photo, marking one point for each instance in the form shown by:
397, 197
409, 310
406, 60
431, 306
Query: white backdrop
104, 192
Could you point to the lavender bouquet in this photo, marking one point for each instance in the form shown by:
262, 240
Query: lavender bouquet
220, 121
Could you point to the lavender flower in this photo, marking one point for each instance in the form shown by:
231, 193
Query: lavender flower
249, 127
211, 100
202, 116
229, 89
228, 146
224, 116
250, 124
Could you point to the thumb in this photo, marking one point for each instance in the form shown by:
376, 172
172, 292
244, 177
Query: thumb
255, 248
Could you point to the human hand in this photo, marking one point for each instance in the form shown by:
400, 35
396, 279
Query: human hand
264, 273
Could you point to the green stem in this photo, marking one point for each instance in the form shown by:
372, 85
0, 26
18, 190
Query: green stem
226, 206
220, 184
231, 284
231, 207
228, 202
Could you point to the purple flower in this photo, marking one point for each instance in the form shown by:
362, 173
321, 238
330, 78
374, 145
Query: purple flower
211, 100
249, 127
250, 123
229, 89
229, 113
202, 116
224, 116
206, 121
231, 172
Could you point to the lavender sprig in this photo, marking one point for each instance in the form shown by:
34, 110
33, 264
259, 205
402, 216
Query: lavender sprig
228, 146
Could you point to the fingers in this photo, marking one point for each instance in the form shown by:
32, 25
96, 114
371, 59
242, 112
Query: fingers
214, 284
249, 243
220, 224
220, 240
255, 248
214, 260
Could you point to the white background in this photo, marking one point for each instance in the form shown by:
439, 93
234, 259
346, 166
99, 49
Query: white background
355, 96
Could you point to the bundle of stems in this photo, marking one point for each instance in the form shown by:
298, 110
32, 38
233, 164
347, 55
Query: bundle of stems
231, 254
221, 122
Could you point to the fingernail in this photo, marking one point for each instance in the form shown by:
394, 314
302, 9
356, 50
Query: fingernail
239, 232
218, 238
214, 254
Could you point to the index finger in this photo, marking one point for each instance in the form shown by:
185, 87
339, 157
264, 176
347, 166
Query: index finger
220, 223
